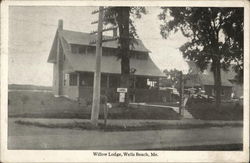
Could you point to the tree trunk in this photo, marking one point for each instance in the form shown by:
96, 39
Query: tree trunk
217, 82
123, 24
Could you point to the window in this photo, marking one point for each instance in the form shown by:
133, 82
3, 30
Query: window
87, 79
91, 50
222, 92
113, 81
152, 83
141, 56
109, 52
82, 50
72, 79
141, 82
74, 49
104, 80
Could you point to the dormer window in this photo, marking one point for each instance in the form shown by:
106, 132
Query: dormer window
78, 49
139, 55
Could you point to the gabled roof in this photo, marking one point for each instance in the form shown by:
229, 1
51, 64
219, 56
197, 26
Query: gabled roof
207, 77
81, 38
109, 64
52, 53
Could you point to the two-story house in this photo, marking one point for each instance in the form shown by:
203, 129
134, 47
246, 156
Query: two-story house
73, 58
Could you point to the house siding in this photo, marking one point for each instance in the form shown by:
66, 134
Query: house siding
54, 77
58, 73
72, 92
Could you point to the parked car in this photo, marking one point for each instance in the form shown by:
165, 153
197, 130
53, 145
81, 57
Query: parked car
201, 98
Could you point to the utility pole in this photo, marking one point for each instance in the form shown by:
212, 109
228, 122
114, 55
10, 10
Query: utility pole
97, 76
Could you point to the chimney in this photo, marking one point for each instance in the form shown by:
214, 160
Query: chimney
60, 24
115, 32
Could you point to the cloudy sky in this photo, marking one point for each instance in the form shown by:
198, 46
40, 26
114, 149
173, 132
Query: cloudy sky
32, 29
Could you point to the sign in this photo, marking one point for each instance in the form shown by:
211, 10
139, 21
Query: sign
122, 90
122, 97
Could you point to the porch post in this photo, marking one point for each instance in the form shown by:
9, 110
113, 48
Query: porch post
134, 81
78, 79
107, 80
158, 83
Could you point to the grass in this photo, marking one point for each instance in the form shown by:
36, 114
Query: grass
208, 111
45, 105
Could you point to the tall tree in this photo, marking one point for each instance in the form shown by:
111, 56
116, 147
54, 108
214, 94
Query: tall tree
127, 33
215, 35
173, 76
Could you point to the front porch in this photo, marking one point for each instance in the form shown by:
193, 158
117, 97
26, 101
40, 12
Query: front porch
79, 85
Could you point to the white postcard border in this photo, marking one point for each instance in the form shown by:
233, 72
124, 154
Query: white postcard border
87, 155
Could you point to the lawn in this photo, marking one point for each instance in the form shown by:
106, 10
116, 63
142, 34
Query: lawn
208, 111
45, 105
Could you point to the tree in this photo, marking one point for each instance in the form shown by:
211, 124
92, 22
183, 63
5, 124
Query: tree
215, 36
127, 35
173, 77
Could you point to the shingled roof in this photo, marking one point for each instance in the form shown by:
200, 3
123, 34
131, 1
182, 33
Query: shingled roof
110, 64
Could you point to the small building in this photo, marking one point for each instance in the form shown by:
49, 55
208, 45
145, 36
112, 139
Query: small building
205, 81
74, 60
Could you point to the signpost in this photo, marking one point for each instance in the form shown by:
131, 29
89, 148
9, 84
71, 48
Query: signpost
122, 94
122, 90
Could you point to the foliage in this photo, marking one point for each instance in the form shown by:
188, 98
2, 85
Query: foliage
203, 27
122, 17
215, 35
173, 77
114, 16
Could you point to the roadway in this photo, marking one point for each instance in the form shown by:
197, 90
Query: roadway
32, 137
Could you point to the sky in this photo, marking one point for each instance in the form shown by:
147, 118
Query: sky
32, 30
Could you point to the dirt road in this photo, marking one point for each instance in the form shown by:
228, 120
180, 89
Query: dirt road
31, 137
